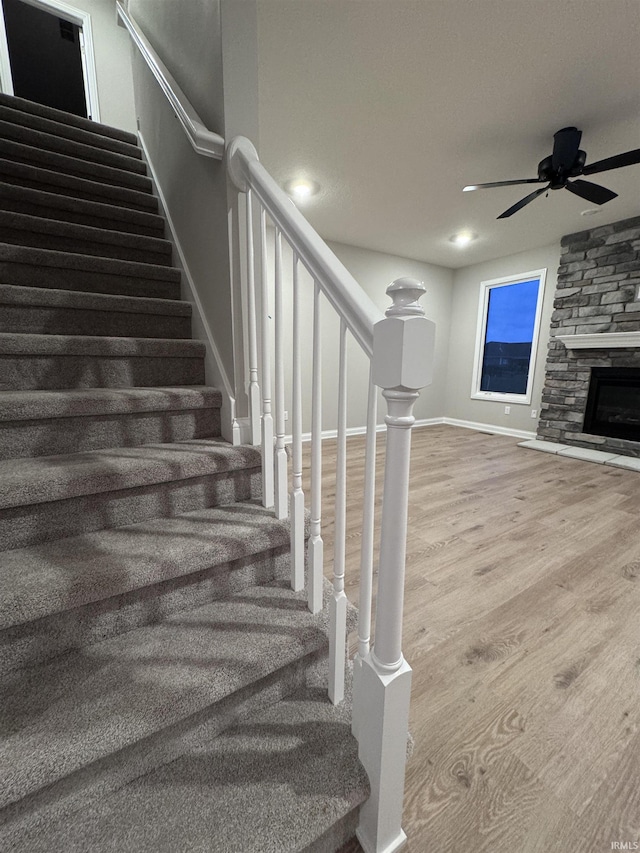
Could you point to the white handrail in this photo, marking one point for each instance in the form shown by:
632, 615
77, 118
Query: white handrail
204, 141
336, 282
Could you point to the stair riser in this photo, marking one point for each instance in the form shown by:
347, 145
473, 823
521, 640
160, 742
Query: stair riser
77, 791
72, 166
66, 131
38, 319
340, 833
62, 214
31, 373
26, 175
34, 275
79, 246
28, 525
44, 639
47, 141
47, 437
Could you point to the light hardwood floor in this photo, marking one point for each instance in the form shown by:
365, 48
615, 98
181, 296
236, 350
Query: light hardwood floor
522, 625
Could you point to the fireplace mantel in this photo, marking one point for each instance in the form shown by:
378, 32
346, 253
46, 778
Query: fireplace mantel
601, 340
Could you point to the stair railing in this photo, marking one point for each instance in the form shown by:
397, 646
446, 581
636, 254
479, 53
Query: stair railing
399, 346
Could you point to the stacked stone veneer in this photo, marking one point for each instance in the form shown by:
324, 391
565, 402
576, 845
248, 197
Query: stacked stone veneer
598, 279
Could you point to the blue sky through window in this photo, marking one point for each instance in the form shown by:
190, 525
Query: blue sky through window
512, 311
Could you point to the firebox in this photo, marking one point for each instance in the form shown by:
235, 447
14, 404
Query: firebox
613, 404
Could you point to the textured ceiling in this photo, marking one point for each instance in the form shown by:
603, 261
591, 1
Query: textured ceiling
392, 106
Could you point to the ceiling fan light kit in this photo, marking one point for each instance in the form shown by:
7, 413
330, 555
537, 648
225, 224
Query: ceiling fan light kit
566, 161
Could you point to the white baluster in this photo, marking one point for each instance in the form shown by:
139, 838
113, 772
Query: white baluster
280, 483
265, 329
366, 553
402, 363
338, 610
254, 388
296, 499
316, 545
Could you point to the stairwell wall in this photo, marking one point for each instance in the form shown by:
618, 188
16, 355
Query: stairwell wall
210, 47
187, 39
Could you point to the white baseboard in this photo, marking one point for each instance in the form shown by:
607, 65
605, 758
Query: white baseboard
216, 374
426, 422
492, 428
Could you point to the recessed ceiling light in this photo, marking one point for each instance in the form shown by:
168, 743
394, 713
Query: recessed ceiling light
301, 188
590, 211
463, 238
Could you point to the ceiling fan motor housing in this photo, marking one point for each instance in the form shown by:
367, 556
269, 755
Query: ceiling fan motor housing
559, 179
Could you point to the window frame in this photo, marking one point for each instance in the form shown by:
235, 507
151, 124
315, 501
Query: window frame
481, 329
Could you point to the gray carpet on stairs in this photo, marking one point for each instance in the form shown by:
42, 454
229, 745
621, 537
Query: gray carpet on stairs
37, 202
25, 230
161, 683
63, 130
41, 177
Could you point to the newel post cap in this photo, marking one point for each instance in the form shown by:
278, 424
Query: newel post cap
403, 343
239, 151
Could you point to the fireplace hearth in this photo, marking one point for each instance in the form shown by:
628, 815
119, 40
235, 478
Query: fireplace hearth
613, 403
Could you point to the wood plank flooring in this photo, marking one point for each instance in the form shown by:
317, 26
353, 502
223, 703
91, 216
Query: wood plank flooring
522, 625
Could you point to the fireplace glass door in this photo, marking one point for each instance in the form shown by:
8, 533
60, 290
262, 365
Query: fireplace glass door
613, 404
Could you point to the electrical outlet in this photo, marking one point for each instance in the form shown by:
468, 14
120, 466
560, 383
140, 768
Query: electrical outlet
507, 410
534, 413
286, 415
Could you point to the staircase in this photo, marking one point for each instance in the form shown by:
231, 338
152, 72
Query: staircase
162, 686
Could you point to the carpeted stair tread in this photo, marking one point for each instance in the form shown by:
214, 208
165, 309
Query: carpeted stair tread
69, 573
67, 118
80, 708
12, 294
29, 405
285, 780
27, 266
36, 231
74, 166
46, 423
49, 141
47, 179
63, 130
48, 311
69, 209
56, 478
16, 343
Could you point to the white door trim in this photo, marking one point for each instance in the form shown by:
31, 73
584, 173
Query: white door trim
68, 13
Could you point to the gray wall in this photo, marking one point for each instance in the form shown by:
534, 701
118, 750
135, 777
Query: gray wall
464, 317
112, 50
374, 271
199, 42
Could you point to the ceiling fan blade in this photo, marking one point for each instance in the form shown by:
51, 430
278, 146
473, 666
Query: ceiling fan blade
591, 192
565, 148
520, 204
629, 158
500, 184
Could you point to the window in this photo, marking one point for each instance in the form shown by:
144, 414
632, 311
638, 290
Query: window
507, 337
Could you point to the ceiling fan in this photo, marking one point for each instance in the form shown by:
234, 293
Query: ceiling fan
567, 161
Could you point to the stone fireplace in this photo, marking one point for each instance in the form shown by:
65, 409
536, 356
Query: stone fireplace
595, 328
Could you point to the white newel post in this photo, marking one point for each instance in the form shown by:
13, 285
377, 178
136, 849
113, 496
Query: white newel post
403, 346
